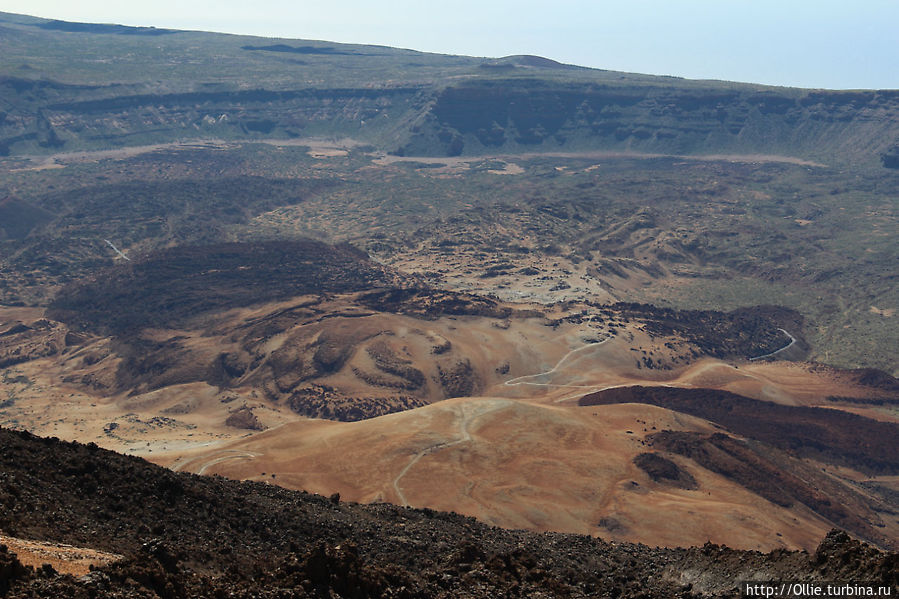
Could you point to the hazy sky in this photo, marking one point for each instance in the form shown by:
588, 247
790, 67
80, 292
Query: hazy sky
821, 43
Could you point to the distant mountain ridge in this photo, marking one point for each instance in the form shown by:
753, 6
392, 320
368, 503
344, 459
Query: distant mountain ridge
64, 95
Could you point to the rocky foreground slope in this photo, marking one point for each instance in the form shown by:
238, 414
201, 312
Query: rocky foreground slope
190, 536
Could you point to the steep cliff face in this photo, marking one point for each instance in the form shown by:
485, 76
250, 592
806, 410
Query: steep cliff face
58, 117
477, 117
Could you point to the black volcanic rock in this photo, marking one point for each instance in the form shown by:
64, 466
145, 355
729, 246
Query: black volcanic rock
176, 284
832, 436
661, 469
742, 333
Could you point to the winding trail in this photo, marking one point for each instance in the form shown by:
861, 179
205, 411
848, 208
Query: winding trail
521, 380
528, 379
786, 347
466, 419
232, 454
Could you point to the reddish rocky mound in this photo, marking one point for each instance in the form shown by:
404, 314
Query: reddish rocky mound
23, 342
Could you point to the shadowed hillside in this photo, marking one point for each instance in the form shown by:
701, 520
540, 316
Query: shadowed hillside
174, 285
820, 433
18, 218
668, 117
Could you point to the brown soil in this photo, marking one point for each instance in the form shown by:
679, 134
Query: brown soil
173, 394
64, 559
516, 464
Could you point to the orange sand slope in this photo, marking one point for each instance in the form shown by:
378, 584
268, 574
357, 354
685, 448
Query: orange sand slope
65, 559
527, 456
519, 465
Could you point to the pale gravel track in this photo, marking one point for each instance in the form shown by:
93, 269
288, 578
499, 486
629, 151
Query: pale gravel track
117, 250
786, 347
233, 454
520, 380
466, 419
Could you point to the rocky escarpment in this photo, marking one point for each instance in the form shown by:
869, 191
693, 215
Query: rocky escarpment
477, 116
471, 117
52, 116
188, 536
398, 100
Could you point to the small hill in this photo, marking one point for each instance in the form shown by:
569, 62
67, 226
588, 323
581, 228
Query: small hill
525, 60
